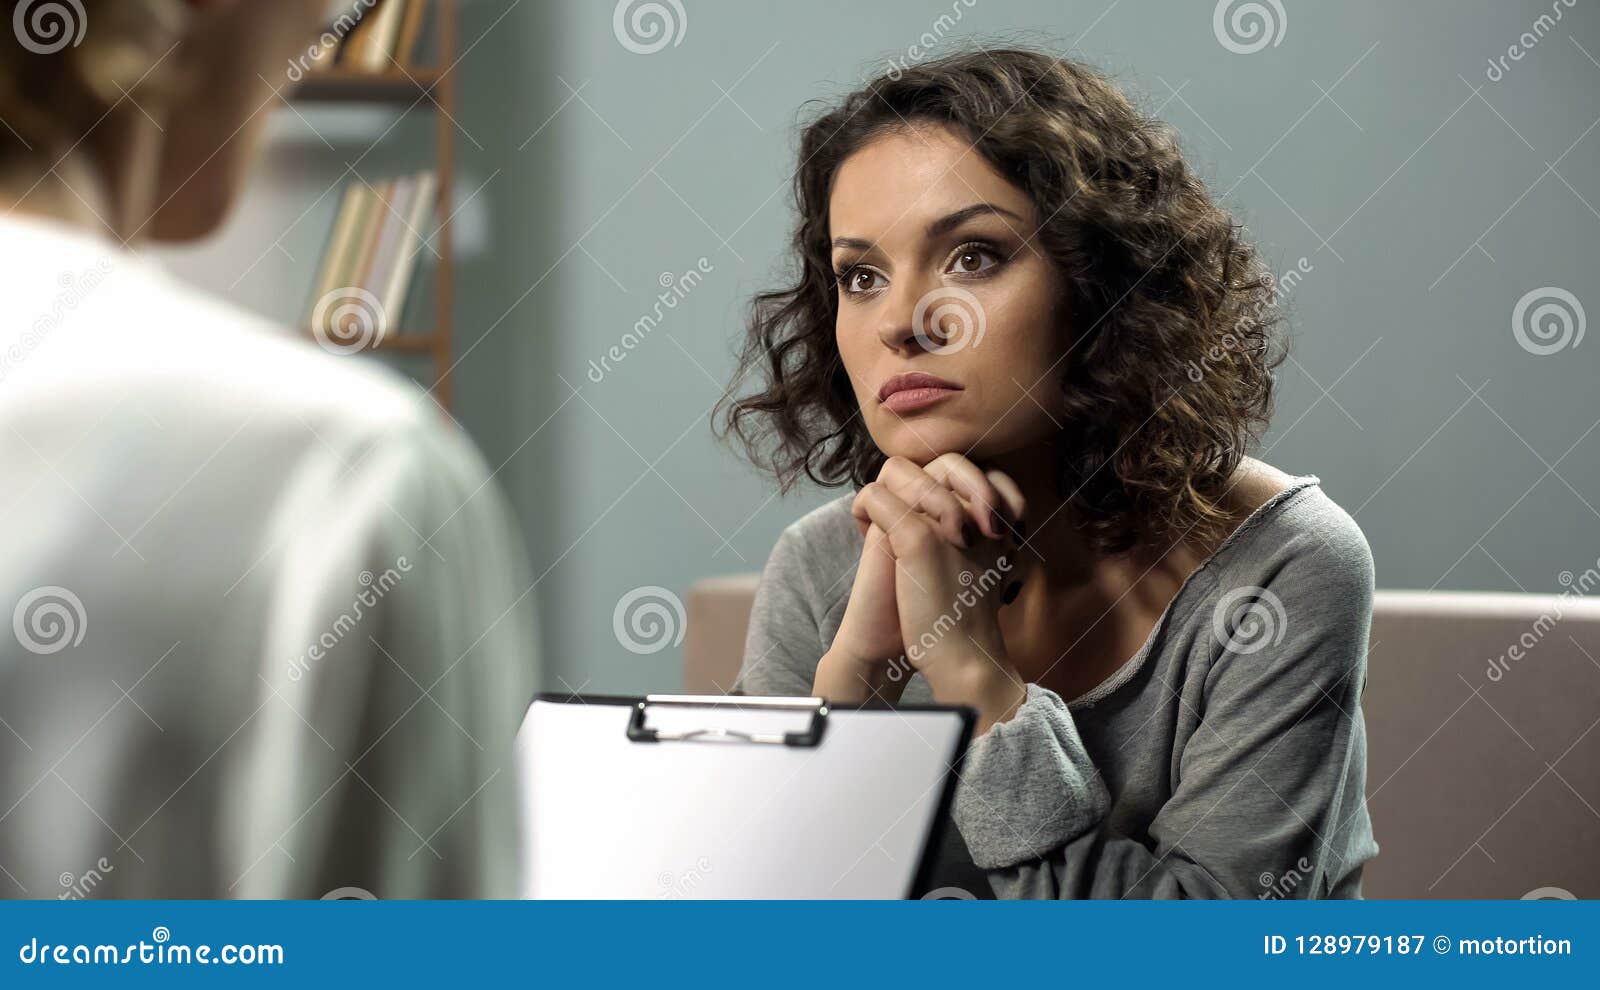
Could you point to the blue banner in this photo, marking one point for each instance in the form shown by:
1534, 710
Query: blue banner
767, 946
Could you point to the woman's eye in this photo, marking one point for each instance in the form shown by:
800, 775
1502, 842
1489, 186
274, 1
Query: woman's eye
973, 260
859, 280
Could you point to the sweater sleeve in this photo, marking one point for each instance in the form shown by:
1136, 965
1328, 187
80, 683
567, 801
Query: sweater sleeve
1268, 796
784, 641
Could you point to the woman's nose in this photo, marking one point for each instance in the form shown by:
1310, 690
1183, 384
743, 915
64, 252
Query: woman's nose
898, 329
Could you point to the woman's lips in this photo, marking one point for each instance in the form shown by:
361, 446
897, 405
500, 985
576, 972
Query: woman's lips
914, 399
913, 391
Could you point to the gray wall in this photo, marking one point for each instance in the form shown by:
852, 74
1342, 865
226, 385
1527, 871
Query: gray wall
1426, 198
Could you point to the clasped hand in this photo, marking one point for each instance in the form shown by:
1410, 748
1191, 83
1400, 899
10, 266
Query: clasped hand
940, 559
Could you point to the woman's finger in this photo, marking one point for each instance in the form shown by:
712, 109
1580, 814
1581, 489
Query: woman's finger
910, 532
958, 473
1012, 493
922, 492
1016, 505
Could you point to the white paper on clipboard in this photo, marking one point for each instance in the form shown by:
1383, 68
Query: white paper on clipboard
721, 807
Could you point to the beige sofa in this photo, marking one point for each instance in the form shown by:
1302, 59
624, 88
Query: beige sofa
1482, 712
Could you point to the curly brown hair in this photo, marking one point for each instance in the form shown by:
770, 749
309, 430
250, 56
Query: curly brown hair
1169, 376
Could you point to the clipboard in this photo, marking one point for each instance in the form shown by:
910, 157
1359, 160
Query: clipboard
706, 797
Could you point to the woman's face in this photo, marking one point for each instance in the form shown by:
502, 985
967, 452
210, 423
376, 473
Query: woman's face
951, 325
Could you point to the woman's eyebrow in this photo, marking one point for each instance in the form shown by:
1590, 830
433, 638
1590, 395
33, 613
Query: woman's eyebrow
951, 221
939, 227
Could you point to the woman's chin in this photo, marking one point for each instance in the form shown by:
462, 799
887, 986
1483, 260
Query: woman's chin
923, 441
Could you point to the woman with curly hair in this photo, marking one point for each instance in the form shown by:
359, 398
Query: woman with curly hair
1037, 350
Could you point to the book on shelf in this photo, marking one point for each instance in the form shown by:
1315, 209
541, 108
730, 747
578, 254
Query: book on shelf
381, 215
388, 35
398, 271
323, 55
374, 36
409, 48
376, 238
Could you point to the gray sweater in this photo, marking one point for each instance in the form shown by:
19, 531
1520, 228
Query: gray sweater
1226, 758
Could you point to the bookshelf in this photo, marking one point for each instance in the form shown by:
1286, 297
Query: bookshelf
430, 87
358, 86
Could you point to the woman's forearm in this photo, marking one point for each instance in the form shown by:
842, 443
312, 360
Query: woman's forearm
979, 680
995, 694
992, 690
843, 678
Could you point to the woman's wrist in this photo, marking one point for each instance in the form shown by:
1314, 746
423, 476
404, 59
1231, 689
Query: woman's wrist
842, 677
990, 686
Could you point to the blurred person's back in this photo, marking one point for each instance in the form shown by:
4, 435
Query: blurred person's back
271, 632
